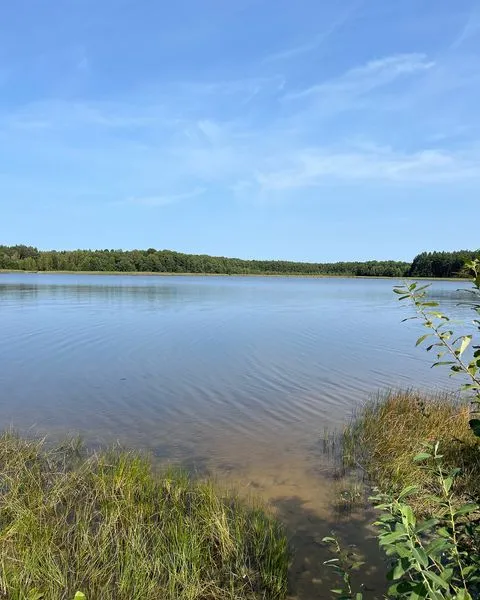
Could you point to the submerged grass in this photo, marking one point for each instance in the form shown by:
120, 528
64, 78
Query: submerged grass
385, 435
107, 525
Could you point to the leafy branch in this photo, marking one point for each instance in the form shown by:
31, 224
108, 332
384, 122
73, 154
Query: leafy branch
428, 559
445, 343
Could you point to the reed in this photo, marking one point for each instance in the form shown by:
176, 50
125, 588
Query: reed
386, 433
108, 525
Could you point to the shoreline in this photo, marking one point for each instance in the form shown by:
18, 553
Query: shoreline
278, 275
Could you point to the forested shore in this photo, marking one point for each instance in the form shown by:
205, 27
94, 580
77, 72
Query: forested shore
29, 258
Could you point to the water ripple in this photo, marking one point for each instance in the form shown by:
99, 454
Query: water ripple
250, 356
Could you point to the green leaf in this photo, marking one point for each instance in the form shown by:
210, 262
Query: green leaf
422, 456
470, 569
408, 491
438, 315
420, 556
438, 546
470, 386
396, 589
422, 338
463, 595
443, 532
448, 482
415, 590
389, 538
399, 569
466, 509
401, 550
464, 345
426, 525
438, 581
79, 596
447, 574
408, 515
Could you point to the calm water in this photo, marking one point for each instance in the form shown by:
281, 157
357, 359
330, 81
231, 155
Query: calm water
237, 376
255, 356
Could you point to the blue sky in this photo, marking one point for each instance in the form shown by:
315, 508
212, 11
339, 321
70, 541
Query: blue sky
307, 130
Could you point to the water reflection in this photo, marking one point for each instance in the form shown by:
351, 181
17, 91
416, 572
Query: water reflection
253, 355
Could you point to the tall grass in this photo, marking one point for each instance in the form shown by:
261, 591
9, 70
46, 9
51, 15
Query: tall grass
385, 435
107, 525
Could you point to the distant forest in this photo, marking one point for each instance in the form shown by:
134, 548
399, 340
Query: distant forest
28, 258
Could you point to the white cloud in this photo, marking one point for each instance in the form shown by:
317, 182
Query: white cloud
315, 167
210, 129
196, 135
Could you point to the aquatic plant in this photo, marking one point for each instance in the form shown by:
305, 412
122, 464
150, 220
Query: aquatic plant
111, 526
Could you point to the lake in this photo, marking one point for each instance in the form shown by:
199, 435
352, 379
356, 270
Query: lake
234, 376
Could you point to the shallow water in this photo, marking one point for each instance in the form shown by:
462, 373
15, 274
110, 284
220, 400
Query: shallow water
237, 377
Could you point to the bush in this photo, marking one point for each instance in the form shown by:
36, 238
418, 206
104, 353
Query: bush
437, 558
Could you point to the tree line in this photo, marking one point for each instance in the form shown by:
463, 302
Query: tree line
28, 258
442, 264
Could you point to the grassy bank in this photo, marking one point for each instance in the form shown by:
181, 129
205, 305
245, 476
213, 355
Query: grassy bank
418, 457
387, 433
282, 275
108, 525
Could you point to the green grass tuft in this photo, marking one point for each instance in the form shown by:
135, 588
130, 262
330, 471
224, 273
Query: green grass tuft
385, 435
107, 525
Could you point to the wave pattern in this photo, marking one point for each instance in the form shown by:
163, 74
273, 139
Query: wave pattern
144, 358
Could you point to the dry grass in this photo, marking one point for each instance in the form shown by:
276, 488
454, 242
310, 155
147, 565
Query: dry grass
387, 433
106, 525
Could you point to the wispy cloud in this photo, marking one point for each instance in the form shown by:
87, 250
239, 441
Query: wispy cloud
368, 77
295, 51
470, 30
81, 58
318, 40
153, 145
64, 116
315, 167
164, 200
83, 64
